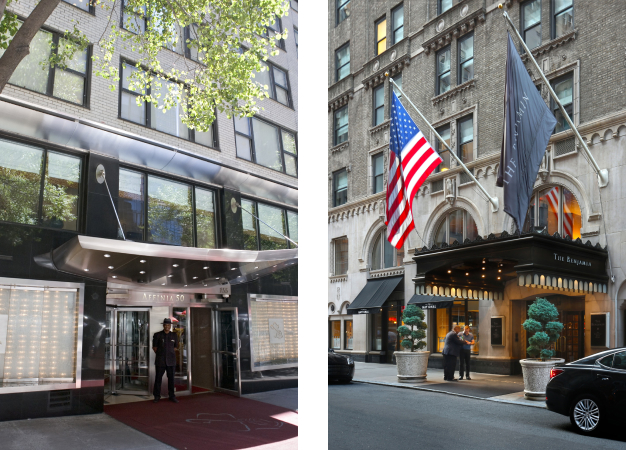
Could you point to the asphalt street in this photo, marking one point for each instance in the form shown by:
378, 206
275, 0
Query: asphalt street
381, 417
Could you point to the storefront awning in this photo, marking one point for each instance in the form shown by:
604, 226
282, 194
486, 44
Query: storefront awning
158, 267
431, 301
374, 295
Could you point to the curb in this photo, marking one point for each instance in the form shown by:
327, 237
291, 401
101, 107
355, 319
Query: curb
418, 388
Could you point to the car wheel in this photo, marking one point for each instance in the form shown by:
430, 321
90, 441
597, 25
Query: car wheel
586, 414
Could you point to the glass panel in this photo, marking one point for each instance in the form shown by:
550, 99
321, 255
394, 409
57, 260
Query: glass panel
443, 62
82, 4
275, 218
532, 13
181, 371
392, 329
68, 86
381, 36
529, 223
561, 122
60, 196
133, 23
379, 102
455, 220
445, 5
343, 11
444, 132
377, 164
107, 352
563, 90
292, 219
564, 22
398, 81
341, 187
377, 331
532, 37
377, 253
343, 62
467, 71
471, 231
78, 61
619, 362
398, 24
607, 361
129, 109
268, 350
29, 73
130, 204
458, 314
169, 212
242, 125
263, 78
289, 142
466, 49
204, 137
549, 210
390, 252
280, 78
126, 74
443, 327
472, 322
226, 340
348, 335
169, 121
440, 235
336, 334
290, 165
20, 183
466, 129
243, 147
572, 220
282, 96
205, 218
132, 351
444, 83
341, 256
249, 225
341, 125
266, 146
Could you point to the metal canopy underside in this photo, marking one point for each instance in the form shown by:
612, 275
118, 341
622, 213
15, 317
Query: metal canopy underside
188, 269
431, 301
374, 295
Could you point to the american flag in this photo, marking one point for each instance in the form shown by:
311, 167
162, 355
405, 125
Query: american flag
568, 218
411, 160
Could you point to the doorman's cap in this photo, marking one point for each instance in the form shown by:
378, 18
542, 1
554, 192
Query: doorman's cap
167, 321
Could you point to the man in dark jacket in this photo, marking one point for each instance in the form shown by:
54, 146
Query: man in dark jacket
164, 344
451, 350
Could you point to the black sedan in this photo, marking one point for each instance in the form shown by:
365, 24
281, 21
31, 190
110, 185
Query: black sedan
591, 391
340, 367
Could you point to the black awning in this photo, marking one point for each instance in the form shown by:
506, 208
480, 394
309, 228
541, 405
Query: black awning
374, 295
431, 301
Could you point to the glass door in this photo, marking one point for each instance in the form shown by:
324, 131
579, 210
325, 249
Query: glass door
181, 328
108, 362
226, 346
129, 351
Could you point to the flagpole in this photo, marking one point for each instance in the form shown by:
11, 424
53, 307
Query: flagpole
495, 204
603, 174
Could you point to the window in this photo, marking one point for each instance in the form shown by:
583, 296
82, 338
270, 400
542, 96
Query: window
466, 139
443, 71
341, 125
466, 58
378, 115
39, 187
85, 5
134, 19
276, 81
398, 80
295, 38
381, 36
457, 225
342, 62
205, 218
343, 10
336, 334
462, 313
294, 4
340, 187
150, 116
266, 144
557, 211
131, 204
531, 23
385, 255
563, 21
69, 84
170, 212
443, 6
341, 256
564, 90
261, 236
377, 173
348, 333
397, 18
444, 132
276, 28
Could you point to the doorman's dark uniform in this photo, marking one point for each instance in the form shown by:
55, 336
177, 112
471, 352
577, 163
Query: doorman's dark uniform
451, 351
166, 344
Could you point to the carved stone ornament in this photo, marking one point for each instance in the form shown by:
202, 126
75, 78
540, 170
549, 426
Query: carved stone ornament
440, 25
464, 10
375, 66
450, 190
393, 55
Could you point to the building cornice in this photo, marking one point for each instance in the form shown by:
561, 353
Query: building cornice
454, 91
370, 203
554, 43
461, 27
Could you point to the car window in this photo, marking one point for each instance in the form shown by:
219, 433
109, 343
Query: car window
607, 361
620, 361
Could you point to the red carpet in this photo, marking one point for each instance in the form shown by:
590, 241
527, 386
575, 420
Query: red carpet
215, 421
196, 389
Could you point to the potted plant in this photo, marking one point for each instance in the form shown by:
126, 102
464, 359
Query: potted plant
412, 364
544, 330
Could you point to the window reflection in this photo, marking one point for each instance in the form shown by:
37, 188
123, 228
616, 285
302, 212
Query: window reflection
458, 225
170, 214
249, 225
558, 211
205, 218
62, 182
275, 218
130, 204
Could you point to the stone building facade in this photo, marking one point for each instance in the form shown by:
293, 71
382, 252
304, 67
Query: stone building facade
449, 57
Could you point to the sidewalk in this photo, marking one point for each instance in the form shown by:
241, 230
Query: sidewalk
101, 431
497, 388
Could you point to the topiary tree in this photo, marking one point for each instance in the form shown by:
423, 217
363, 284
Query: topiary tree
541, 323
413, 332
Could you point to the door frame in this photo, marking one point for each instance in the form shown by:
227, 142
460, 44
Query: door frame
216, 352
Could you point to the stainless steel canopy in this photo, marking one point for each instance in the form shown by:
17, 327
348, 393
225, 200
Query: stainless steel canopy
159, 267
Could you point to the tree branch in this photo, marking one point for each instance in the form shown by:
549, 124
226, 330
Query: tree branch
3, 6
19, 47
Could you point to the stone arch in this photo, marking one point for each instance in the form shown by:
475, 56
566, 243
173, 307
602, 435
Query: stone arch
595, 138
344, 307
444, 208
621, 131
479, 173
330, 306
369, 239
608, 134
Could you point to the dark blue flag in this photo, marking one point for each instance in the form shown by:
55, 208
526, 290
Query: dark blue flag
528, 124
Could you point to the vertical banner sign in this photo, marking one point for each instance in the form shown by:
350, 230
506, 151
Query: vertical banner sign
497, 330
528, 124
598, 330
277, 331
4, 321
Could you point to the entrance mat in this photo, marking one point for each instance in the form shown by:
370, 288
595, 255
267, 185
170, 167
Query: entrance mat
215, 421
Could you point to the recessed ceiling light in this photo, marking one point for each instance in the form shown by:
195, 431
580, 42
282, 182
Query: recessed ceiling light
170, 276
205, 267
498, 278
449, 271
86, 270
483, 268
106, 255
174, 265
195, 278
483, 276
466, 273
499, 270
256, 267
162, 284
111, 267
114, 276
185, 285
142, 261
234, 268
217, 278
274, 266
142, 272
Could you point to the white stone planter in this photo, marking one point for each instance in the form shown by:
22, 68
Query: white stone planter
412, 366
536, 376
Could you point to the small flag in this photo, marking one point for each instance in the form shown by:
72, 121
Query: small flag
411, 160
528, 124
553, 199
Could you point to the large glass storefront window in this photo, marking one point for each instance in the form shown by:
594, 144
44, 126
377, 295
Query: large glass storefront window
335, 334
384, 329
39, 335
461, 313
348, 335
205, 218
170, 214
258, 235
377, 331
